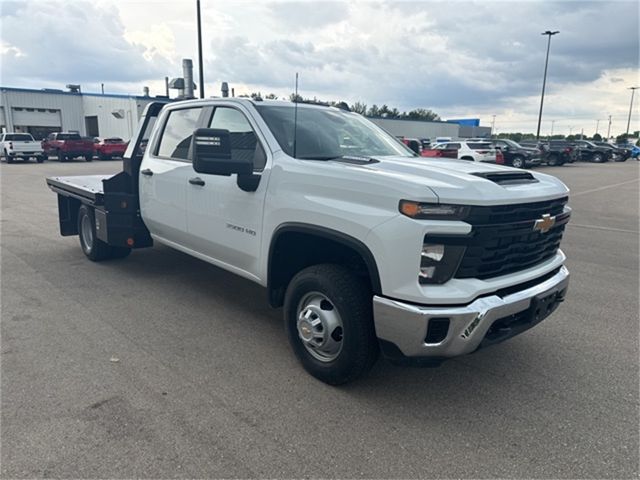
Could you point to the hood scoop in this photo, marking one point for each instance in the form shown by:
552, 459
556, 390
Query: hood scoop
507, 178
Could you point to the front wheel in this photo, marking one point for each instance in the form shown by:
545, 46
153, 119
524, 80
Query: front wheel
518, 162
41, 158
553, 161
329, 322
597, 158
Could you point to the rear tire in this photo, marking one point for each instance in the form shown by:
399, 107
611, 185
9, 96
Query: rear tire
332, 308
41, 158
470, 159
553, 161
597, 158
95, 249
89, 157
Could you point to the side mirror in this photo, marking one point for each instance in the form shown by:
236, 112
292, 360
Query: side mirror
211, 153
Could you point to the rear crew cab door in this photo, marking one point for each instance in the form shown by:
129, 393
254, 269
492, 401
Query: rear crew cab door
165, 172
224, 221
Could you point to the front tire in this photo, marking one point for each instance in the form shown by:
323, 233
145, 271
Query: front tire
597, 158
518, 162
88, 157
553, 161
329, 322
41, 158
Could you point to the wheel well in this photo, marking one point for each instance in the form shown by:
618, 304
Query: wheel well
296, 248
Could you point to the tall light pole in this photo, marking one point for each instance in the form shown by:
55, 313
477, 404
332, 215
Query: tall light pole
493, 124
200, 67
597, 125
633, 91
549, 33
609, 128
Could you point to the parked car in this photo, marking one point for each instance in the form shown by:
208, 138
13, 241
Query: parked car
67, 145
413, 143
108, 148
635, 152
443, 152
21, 146
473, 151
590, 152
619, 153
558, 152
516, 155
369, 250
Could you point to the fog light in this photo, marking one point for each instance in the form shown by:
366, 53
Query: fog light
432, 251
427, 272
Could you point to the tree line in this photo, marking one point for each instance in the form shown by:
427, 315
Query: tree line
374, 110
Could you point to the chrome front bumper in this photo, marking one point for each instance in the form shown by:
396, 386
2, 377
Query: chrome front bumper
405, 325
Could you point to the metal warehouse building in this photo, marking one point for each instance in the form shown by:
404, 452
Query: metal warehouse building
41, 112
425, 129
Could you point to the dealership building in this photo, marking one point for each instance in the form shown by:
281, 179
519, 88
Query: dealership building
40, 112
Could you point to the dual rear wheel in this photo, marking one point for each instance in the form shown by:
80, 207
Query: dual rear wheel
95, 249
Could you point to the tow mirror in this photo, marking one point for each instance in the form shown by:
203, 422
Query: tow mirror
211, 153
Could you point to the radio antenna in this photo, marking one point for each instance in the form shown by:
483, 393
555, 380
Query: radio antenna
295, 118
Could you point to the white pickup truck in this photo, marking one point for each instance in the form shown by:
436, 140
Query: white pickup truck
21, 146
368, 247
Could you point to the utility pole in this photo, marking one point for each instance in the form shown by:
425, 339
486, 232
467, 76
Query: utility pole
609, 129
633, 91
549, 33
200, 67
493, 124
597, 125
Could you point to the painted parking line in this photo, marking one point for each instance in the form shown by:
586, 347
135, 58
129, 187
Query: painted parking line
598, 227
603, 188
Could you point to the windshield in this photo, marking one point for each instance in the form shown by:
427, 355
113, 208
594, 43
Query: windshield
511, 143
19, 137
69, 136
325, 133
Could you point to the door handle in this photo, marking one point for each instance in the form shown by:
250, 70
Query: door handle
196, 181
146, 172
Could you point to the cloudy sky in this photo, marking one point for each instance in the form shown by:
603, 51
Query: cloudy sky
458, 58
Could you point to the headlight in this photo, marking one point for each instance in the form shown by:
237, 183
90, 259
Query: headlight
438, 262
432, 211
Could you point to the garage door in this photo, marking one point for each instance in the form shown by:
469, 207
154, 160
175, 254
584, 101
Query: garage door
36, 117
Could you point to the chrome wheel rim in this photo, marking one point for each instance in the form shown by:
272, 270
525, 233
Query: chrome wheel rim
320, 327
87, 233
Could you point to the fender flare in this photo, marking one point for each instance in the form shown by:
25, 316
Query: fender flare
342, 238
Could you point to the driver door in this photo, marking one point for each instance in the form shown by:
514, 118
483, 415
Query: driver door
225, 222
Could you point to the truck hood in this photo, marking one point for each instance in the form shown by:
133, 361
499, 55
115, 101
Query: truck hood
463, 182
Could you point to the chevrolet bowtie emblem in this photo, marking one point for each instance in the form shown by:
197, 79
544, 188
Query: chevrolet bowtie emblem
544, 224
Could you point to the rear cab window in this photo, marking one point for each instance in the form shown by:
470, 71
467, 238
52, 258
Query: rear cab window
18, 137
177, 132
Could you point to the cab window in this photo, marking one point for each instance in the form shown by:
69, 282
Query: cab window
177, 133
244, 142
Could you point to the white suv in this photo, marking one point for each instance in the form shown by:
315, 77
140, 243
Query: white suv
474, 151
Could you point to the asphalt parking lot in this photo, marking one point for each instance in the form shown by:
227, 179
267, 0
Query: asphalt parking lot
163, 366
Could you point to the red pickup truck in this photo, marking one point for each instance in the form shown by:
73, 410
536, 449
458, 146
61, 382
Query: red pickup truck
66, 146
107, 148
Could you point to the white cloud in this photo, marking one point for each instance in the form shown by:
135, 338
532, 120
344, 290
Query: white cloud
459, 58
